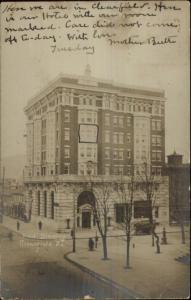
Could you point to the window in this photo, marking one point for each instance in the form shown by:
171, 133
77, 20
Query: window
141, 209
128, 121
107, 153
157, 171
52, 204
156, 125
43, 124
66, 169
115, 120
107, 103
115, 139
45, 204
120, 154
107, 137
38, 197
66, 152
128, 170
128, 153
156, 140
43, 156
66, 134
128, 137
156, 155
89, 152
118, 170
107, 169
120, 121
88, 117
107, 120
115, 154
121, 138
66, 116
44, 140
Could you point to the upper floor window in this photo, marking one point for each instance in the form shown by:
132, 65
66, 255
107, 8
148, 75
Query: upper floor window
156, 125
66, 134
156, 155
128, 121
121, 140
107, 137
107, 119
43, 124
107, 153
156, 140
66, 169
66, 152
115, 120
128, 137
107, 169
120, 121
66, 116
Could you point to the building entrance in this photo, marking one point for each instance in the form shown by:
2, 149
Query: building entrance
86, 203
86, 219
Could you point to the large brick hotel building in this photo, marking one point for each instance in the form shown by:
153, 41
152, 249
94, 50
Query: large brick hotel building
79, 127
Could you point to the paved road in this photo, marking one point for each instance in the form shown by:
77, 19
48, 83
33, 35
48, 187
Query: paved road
27, 273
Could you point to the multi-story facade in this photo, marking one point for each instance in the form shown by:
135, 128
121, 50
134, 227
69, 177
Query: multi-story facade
179, 189
81, 126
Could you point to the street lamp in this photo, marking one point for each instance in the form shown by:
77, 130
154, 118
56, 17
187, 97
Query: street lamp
74, 223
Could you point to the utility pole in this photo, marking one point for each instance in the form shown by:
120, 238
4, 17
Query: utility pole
74, 224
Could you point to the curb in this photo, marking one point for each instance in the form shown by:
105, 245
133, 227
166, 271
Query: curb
104, 279
24, 235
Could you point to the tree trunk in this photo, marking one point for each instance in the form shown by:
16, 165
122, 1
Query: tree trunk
182, 233
128, 253
104, 241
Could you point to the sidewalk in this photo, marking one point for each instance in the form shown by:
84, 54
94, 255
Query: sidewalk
30, 231
152, 275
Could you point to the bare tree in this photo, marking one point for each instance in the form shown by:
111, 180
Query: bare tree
126, 195
149, 186
101, 213
178, 208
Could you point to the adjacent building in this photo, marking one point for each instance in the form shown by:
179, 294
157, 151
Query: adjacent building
179, 189
80, 127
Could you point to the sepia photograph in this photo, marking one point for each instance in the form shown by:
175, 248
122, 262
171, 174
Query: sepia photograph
95, 150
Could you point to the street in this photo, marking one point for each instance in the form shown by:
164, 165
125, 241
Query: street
42, 272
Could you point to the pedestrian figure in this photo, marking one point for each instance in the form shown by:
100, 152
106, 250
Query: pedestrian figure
18, 225
39, 225
96, 240
91, 244
164, 239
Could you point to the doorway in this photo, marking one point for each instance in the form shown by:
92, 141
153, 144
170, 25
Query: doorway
86, 219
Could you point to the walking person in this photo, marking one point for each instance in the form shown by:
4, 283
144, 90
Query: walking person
39, 225
18, 225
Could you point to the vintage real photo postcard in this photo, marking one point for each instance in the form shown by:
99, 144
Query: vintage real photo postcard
95, 158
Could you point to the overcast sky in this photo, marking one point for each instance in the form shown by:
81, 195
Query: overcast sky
27, 69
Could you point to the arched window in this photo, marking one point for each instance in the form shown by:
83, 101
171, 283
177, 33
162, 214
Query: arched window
52, 205
38, 203
45, 204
